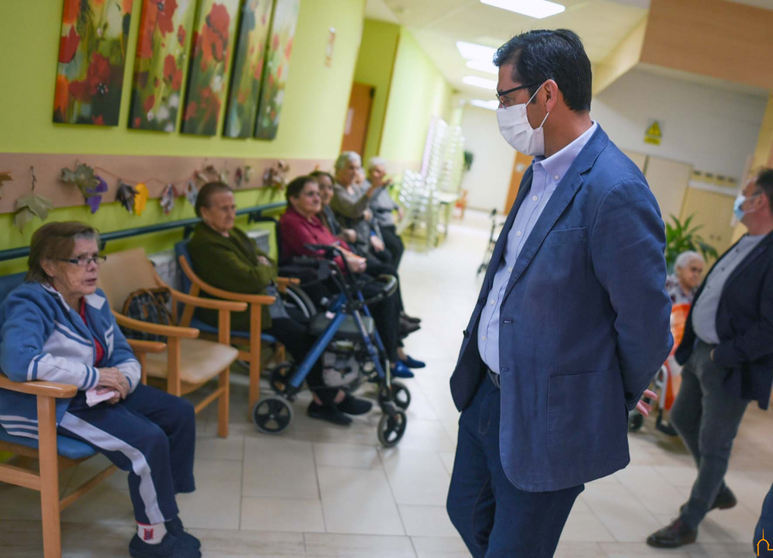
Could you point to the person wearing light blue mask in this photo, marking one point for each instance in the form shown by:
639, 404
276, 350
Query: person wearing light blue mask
571, 321
727, 353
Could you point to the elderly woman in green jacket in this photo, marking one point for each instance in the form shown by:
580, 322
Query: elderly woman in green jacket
226, 258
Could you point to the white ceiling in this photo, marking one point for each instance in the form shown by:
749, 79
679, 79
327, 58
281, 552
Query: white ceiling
438, 24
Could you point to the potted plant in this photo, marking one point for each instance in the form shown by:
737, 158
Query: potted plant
680, 238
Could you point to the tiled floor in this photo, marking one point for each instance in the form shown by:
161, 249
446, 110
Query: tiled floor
325, 491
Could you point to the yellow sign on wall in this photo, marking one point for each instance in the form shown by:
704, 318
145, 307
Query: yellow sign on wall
654, 133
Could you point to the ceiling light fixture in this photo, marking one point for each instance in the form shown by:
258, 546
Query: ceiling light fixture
533, 8
471, 51
491, 105
480, 82
483, 66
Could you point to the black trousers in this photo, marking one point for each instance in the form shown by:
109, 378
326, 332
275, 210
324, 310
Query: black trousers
298, 342
375, 267
393, 243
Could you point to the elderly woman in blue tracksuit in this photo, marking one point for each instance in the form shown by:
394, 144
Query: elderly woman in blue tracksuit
57, 326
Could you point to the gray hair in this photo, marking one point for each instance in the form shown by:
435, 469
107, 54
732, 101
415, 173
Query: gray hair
376, 162
347, 157
683, 259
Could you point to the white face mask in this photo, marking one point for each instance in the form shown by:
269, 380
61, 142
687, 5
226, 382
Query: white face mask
515, 128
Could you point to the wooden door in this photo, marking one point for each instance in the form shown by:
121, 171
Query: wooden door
668, 181
714, 211
357, 118
520, 165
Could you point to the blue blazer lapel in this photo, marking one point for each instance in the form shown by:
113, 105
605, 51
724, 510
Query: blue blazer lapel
558, 203
499, 249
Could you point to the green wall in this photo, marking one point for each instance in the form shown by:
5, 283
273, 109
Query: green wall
374, 67
419, 92
315, 105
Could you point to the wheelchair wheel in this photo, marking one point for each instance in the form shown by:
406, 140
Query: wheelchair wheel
272, 415
391, 428
295, 297
401, 396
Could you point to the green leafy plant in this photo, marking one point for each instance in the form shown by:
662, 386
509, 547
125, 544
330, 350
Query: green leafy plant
468, 158
680, 238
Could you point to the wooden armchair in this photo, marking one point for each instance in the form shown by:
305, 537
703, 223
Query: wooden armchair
53, 453
186, 363
251, 338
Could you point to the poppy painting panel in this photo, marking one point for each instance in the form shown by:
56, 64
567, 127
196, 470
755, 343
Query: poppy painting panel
165, 28
277, 67
250, 54
215, 25
92, 56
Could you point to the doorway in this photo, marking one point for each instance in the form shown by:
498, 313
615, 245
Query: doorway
358, 118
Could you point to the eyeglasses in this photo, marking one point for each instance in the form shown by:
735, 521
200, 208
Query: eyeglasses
83, 261
502, 97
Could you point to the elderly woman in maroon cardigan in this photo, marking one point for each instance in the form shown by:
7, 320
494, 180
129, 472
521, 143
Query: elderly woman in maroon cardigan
300, 225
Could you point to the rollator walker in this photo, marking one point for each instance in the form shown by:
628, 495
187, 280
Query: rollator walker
350, 346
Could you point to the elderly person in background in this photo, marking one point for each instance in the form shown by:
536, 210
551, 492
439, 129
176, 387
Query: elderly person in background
226, 258
383, 208
301, 225
688, 272
58, 327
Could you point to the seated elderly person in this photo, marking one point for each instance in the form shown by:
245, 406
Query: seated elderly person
683, 283
383, 207
226, 258
301, 225
58, 327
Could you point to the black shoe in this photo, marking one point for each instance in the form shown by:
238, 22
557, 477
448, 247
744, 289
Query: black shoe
724, 501
406, 328
169, 547
353, 406
330, 413
175, 526
673, 536
406, 317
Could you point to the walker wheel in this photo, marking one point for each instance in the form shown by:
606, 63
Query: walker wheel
272, 415
391, 428
401, 396
635, 422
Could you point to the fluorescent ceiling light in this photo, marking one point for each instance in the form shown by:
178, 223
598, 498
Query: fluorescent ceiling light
471, 51
480, 82
491, 105
483, 66
533, 8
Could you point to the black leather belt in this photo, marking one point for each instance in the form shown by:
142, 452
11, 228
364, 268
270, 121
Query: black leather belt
494, 377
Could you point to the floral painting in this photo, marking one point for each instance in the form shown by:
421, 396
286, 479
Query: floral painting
92, 55
277, 67
165, 27
250, 52
215, 24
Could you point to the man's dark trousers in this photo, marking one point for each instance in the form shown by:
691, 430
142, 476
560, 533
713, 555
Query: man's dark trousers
707, 418
517, 524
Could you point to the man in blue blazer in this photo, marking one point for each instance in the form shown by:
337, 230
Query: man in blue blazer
572, 321
727, 353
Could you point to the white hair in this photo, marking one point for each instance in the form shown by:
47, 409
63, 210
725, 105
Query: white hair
683, 259
376, 162
347, 157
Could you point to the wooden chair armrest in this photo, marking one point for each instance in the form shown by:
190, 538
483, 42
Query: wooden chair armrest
45, 389
157, 329
283, 282
210, 303
140, 346
220, 293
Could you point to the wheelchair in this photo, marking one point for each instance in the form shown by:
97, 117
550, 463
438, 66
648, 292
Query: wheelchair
351, 349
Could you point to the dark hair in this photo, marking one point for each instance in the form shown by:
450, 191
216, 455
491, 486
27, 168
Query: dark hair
296, 185
55, 241
318, 173
207, 191
764, 183
543, 54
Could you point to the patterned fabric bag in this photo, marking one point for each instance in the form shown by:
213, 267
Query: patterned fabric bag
148, 305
